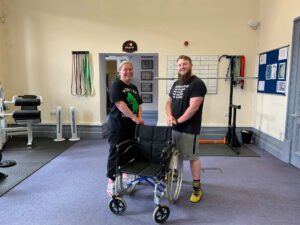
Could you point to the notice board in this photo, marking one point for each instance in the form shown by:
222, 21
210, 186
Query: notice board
272, 71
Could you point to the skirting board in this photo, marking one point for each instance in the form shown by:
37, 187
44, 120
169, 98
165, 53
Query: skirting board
277, 148
84, 131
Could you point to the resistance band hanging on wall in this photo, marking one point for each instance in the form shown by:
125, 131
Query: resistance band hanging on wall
81, 74
238, 70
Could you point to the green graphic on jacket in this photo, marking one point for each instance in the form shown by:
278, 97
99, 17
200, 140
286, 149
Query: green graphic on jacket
135, 106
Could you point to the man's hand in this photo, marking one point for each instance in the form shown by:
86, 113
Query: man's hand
170, 120
175, 122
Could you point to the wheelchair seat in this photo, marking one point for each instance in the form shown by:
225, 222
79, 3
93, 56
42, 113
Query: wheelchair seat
149, 152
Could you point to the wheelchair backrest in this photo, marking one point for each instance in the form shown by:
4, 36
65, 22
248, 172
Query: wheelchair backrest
151, 140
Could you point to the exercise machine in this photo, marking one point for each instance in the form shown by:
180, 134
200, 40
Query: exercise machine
231, 138
28, 115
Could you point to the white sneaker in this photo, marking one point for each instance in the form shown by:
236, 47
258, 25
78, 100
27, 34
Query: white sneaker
110, 187
125, 178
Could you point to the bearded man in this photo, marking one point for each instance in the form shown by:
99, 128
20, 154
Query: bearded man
184, 112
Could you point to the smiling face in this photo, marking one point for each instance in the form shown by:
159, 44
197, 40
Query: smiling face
126, 73
184, 68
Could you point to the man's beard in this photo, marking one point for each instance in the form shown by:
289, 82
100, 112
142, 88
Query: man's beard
186, 77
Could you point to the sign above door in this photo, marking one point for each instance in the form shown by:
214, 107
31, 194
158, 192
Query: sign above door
129, 46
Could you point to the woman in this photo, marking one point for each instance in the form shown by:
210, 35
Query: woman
126, 112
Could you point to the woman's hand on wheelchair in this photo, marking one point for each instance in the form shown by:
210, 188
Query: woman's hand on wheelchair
141, 121
138, 120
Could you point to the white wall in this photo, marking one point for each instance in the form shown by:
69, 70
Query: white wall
40, 35
3, 51
276, 17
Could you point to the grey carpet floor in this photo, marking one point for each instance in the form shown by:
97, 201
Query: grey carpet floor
237, 191
224, 150
28, 160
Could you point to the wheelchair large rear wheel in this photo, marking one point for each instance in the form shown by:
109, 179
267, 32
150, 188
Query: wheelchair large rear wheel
174, 177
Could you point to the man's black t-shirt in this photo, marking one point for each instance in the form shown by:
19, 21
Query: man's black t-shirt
181, 93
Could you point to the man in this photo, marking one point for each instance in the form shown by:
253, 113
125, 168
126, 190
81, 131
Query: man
184, 112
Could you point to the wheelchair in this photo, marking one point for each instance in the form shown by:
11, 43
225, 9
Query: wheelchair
150, 158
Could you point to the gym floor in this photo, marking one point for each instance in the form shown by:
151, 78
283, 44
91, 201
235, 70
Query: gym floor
237, 191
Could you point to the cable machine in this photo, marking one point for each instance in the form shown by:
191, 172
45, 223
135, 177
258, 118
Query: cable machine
231, 137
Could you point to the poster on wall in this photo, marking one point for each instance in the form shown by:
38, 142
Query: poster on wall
272, 71
146, 87
146, 75
147, 64
147, 98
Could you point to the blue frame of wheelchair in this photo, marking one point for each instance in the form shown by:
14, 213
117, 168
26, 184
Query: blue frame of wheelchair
161, 187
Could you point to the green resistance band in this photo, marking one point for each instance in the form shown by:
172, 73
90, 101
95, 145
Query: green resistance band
87, 76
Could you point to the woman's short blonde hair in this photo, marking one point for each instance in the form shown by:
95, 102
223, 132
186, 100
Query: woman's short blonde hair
123, 63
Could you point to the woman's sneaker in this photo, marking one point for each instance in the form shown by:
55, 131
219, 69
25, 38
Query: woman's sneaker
125, 178
110, 187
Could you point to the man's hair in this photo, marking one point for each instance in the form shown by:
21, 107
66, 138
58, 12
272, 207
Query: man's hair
185, 57
123, 63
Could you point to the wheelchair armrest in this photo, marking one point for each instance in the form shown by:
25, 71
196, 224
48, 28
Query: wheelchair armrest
128, 141
126, 150
126, 153
165, 156
165, 153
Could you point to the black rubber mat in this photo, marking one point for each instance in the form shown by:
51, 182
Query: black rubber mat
225, 150
28, 160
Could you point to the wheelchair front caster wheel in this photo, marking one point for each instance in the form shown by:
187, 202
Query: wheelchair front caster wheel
117, 205
161, 214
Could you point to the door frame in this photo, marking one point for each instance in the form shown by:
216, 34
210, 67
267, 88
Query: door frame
293, 76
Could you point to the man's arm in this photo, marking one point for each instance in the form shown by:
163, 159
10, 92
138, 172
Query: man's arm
170, 117
191, 110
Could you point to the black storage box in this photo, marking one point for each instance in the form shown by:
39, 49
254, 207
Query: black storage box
247, 136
